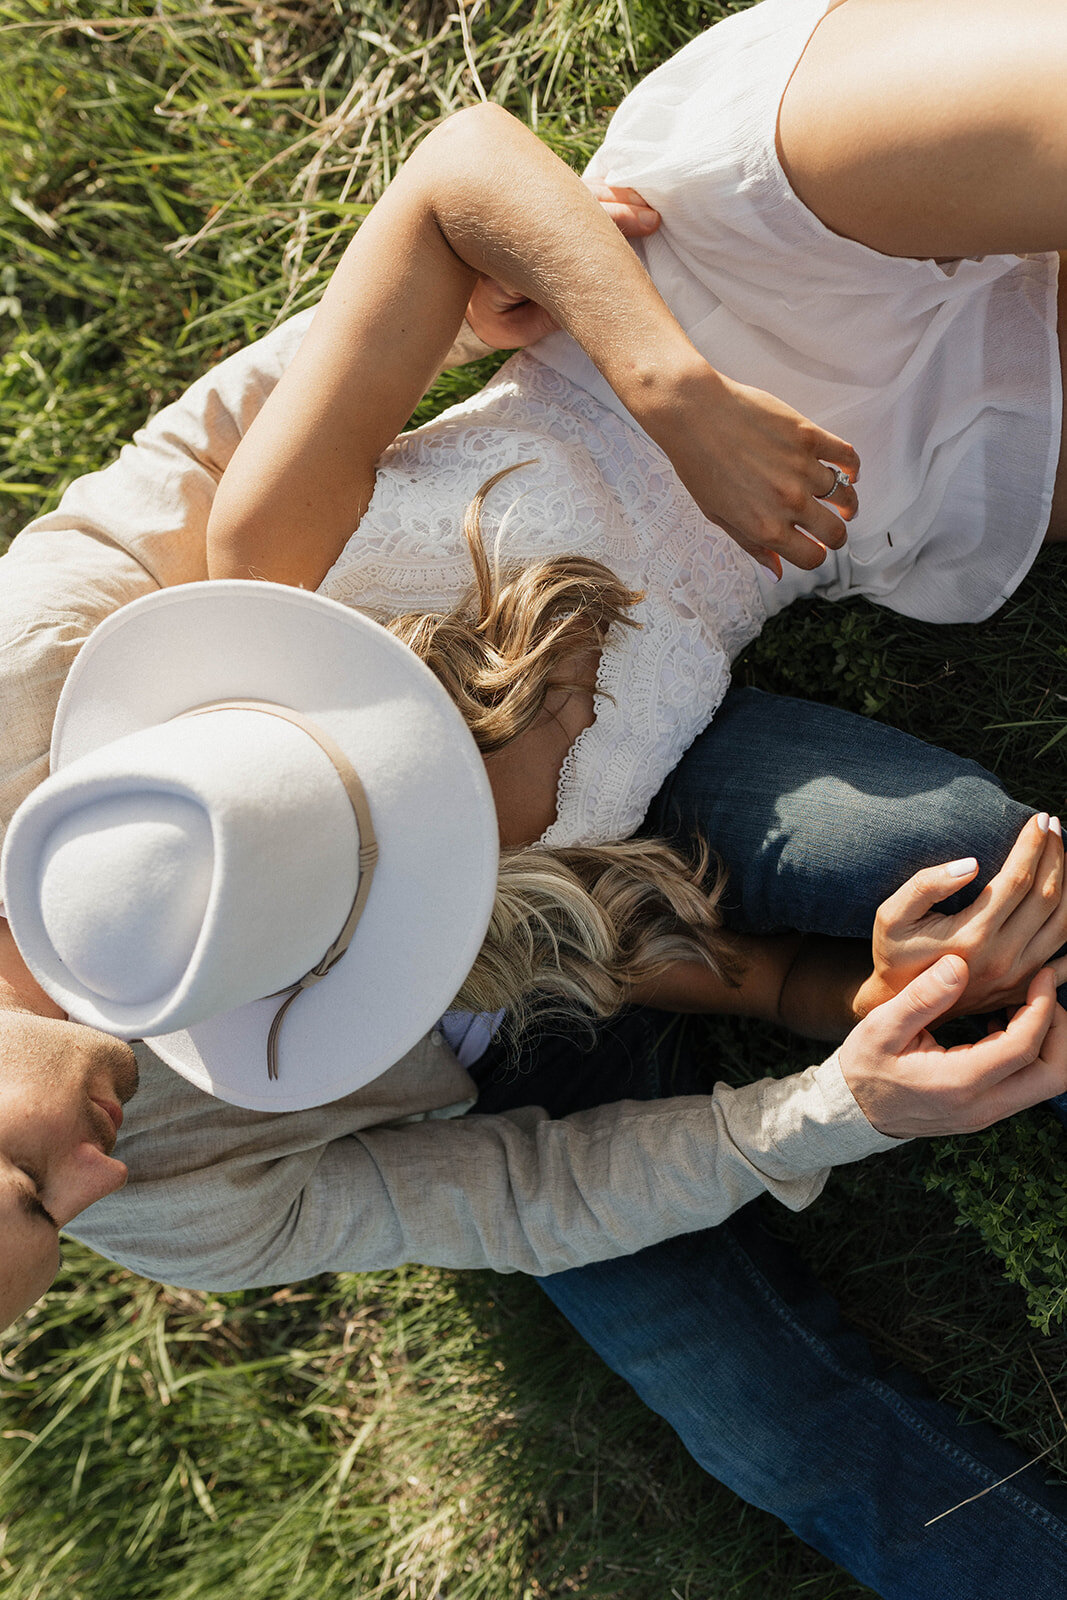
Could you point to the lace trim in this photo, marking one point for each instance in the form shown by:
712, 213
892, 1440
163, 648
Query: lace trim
598, 487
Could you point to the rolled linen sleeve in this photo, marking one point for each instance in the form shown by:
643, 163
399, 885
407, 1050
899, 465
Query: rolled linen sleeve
221, 1198
137, 525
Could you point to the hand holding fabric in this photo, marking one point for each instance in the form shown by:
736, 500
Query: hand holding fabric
775, 482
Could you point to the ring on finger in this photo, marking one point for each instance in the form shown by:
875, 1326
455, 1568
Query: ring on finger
841, 481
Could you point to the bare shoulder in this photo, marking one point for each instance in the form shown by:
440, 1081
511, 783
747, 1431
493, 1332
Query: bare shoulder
909, 125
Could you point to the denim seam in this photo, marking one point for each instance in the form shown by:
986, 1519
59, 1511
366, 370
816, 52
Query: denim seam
895, 1402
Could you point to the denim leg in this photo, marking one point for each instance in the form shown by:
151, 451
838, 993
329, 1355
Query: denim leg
726, 1336
819, 814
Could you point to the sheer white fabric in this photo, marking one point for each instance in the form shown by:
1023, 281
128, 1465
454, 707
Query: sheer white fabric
944, 375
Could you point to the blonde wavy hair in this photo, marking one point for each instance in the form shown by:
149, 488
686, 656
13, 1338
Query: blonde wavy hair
572, 930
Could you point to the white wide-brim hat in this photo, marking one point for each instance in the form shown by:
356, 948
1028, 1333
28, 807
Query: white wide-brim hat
178, 875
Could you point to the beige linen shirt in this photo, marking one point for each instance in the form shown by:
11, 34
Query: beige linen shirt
221, 1197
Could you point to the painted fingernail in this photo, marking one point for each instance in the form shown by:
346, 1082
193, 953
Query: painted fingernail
962, 868
1043, 821
1054, 827
775, 571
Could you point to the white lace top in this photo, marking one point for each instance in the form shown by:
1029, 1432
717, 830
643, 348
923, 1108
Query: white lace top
596, 486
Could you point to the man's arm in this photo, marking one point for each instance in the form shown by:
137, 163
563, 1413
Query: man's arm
220, 1197
225, 1198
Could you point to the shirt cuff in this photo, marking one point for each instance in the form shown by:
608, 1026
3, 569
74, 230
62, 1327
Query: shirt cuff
825, 1122
803, 1124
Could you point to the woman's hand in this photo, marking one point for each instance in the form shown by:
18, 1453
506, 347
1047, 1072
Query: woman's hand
1014, 927
908, 1087
504, 319
760, 470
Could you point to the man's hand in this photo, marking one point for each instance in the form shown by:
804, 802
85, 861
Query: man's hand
506, 320
1014, 927
907, 1086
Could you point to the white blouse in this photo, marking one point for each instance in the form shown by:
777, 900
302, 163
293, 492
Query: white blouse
594, 486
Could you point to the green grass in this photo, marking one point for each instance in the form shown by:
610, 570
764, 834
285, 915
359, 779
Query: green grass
174, 178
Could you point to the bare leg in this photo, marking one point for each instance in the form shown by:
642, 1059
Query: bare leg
937, 128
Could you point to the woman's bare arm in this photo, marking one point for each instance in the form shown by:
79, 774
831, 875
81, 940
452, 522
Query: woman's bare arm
804, 983
821, 987
481, 196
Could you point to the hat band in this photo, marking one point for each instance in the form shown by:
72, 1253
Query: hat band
368, 851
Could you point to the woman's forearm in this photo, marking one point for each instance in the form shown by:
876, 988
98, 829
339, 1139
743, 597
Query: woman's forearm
805, 983
819, 992
524, 218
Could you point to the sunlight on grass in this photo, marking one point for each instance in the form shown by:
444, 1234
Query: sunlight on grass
174, 178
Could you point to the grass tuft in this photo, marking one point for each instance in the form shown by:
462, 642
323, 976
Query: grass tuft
174, 178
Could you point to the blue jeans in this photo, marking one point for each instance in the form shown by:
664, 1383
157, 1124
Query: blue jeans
818, 814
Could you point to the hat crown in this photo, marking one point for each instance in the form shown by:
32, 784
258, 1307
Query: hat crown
181, 867
124, 889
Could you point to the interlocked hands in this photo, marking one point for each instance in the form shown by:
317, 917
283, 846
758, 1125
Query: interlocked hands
907, 1086
999, 951
1016, 925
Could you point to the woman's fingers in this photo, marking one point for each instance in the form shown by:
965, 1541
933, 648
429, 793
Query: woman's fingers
1016, 879
1024, 906
753, 465
1017, 924
923, 890
839, 454
823, 524
630, 211
1046, 894
831, 502
839, 492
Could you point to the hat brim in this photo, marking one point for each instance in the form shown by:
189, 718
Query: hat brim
426, 786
